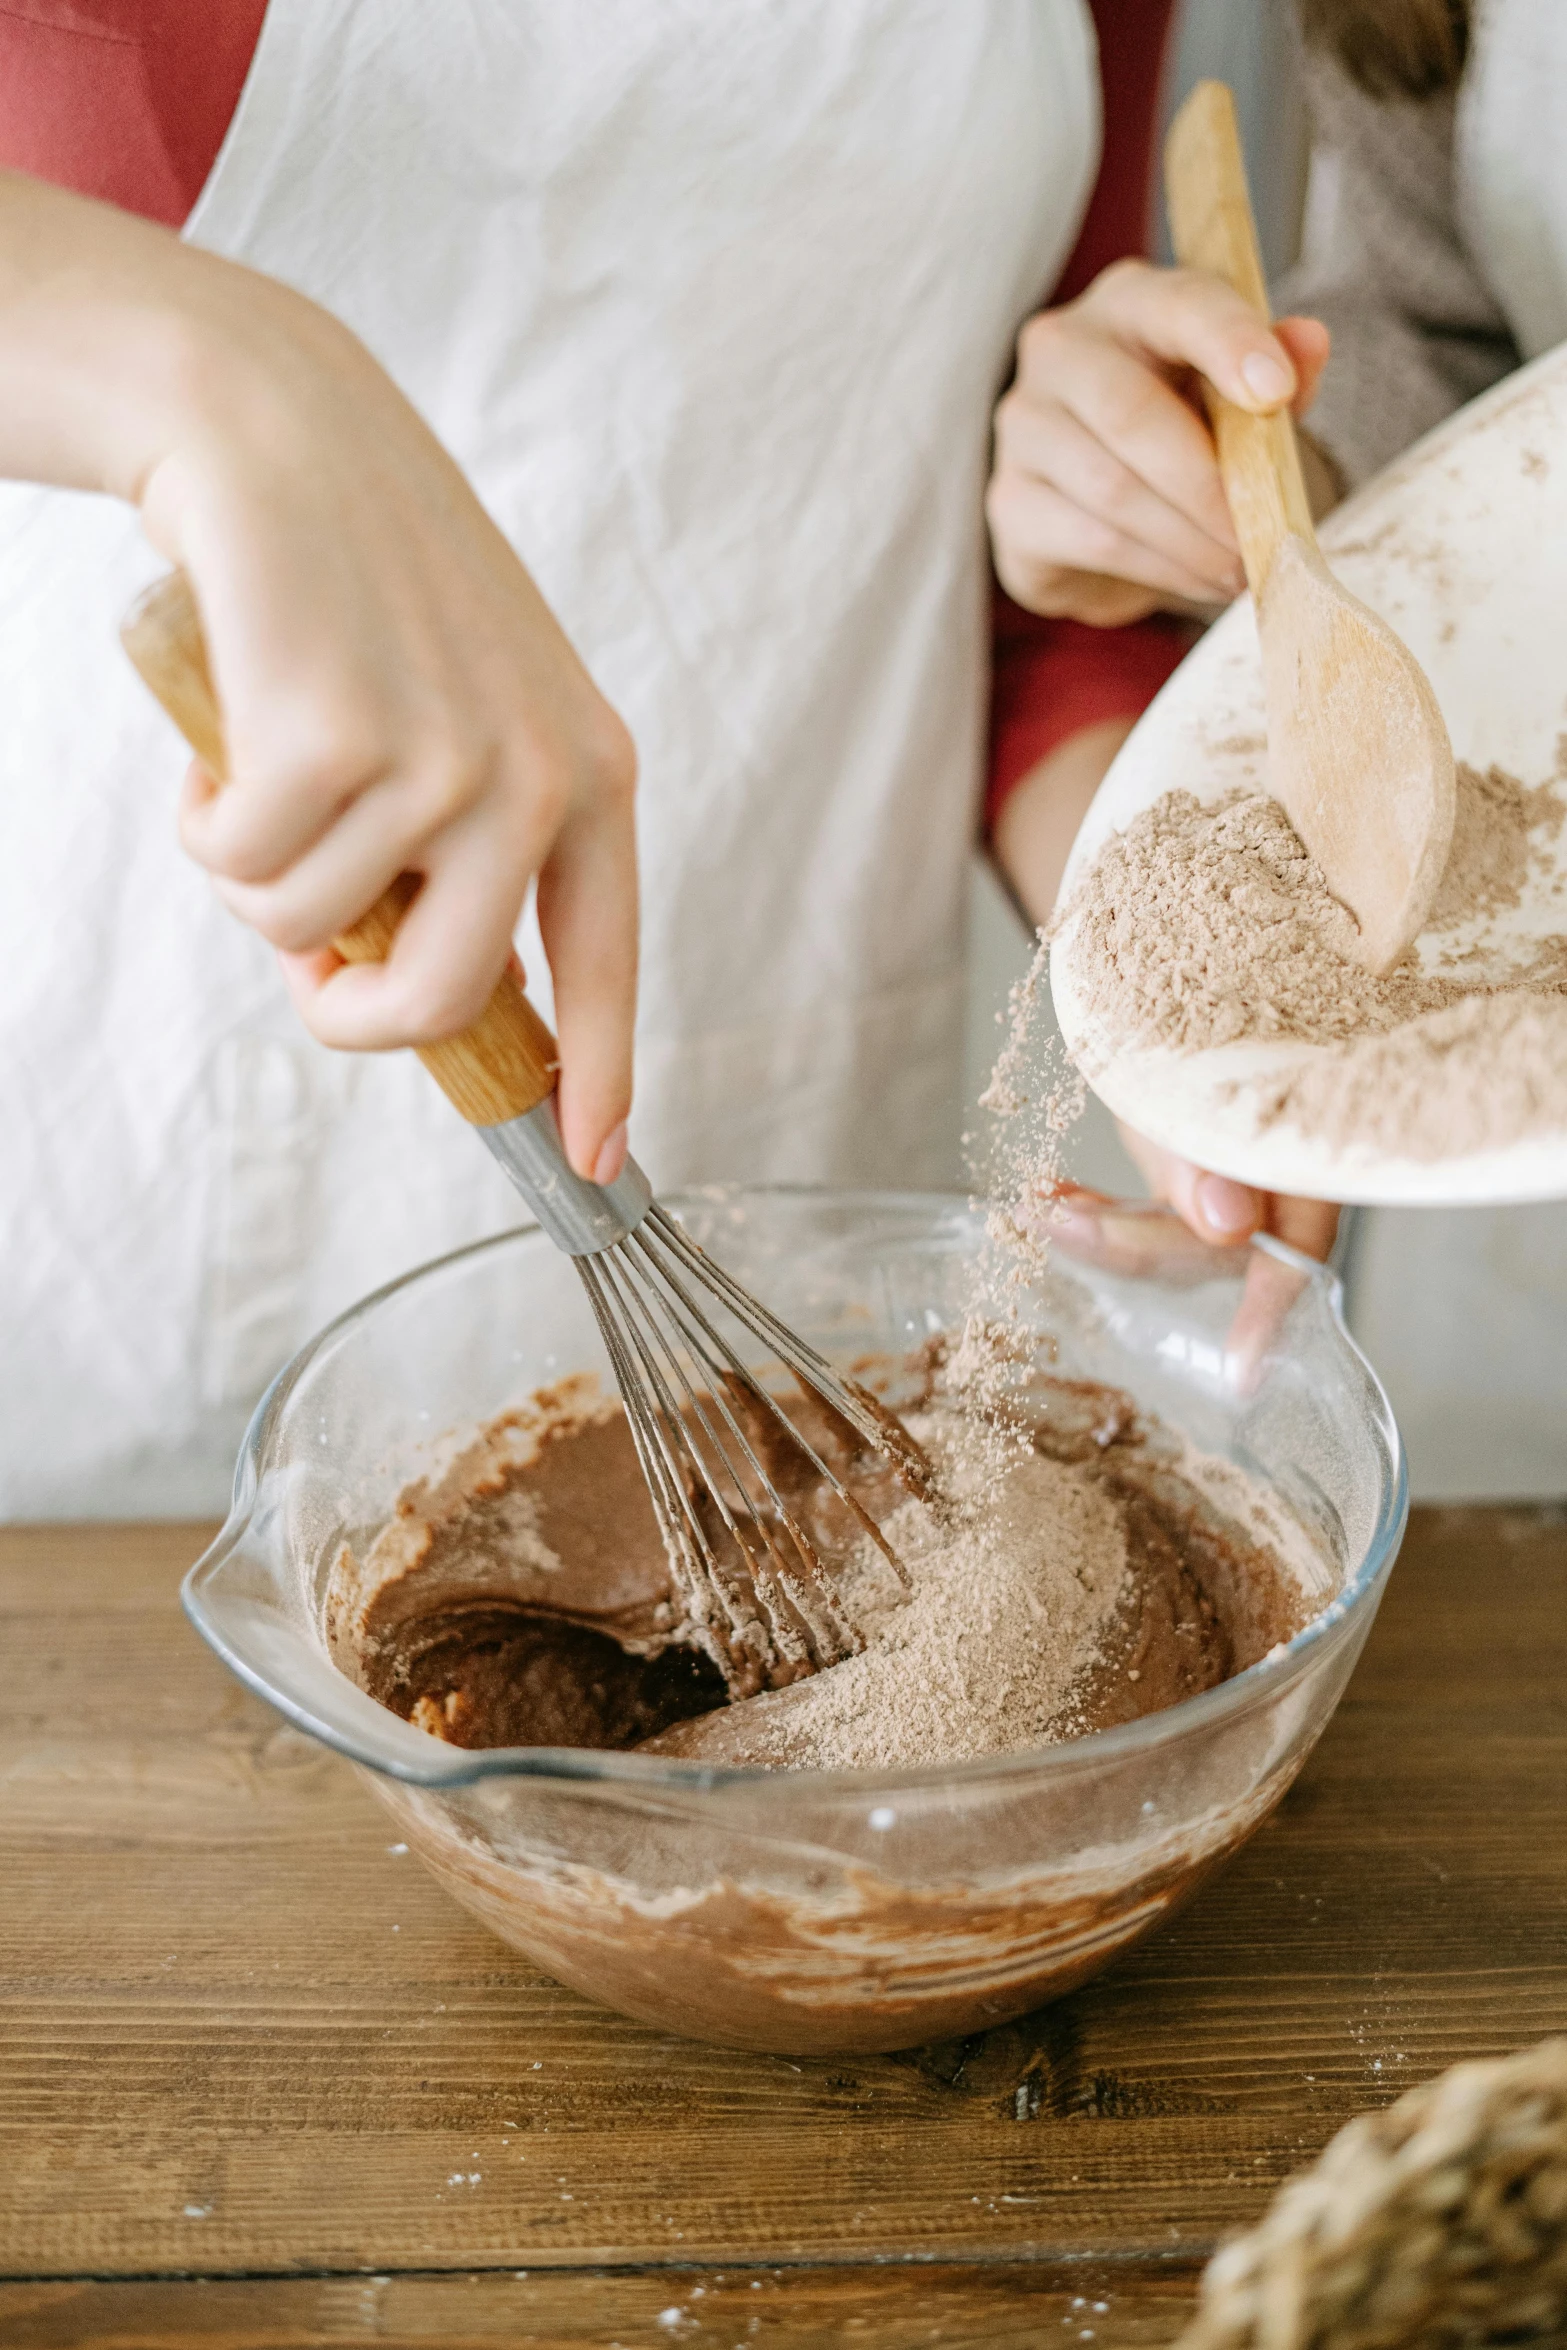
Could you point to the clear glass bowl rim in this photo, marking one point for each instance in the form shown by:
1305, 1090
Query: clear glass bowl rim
454, 1767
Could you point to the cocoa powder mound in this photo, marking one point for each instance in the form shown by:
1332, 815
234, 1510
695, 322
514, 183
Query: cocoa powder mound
1483, 1070
1498, 824
1101, 1577
1009, 1607
1208, 925
1201, 926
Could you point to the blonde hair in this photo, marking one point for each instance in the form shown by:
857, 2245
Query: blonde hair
1393, 48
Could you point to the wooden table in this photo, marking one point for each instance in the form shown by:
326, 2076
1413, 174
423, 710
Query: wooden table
262, 2084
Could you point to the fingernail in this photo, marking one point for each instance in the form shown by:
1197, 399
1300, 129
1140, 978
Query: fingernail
612, 1155
1226, 1208
1267, 379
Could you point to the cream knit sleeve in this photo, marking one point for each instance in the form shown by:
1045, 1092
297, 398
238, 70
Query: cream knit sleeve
1415, 331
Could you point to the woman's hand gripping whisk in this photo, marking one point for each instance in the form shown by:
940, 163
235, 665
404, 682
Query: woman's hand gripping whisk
726, 1465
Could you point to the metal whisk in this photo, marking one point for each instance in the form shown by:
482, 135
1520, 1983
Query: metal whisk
750, 1574
653, 1327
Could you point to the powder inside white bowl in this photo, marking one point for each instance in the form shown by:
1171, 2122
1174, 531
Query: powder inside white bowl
1209, 925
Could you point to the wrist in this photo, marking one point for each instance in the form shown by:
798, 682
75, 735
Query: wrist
120, 345
213, 356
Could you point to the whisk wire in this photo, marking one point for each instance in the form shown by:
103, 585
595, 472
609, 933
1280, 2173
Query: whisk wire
672, 1502
822, 1377
787, 1344
757, 1589
640, 1374
645, 1336
720, 1362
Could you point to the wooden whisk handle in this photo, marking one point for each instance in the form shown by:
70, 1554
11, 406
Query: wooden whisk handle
501, 1067
1212, 228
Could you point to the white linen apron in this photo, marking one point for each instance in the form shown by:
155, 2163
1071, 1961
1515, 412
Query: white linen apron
1464, 1310
711, 303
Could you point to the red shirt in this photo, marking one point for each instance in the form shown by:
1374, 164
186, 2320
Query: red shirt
129, 100
1050, 678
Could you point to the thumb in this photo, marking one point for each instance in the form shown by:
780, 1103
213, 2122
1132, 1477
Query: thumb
1213, 1207
1309, 345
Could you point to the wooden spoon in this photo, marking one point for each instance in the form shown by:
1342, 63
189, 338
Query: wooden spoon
1358, 755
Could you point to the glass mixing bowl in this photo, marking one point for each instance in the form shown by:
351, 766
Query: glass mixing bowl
814, 1911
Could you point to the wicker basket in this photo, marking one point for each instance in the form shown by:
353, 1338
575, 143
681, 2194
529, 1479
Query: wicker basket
1439, 2222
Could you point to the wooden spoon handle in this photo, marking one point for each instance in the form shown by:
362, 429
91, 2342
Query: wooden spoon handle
1212, 228
501, 1067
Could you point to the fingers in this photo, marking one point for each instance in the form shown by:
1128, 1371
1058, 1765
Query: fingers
455, 939
268, 816
1213, 1207
588, 920
572, 825
386, 830
1123, 1236
1127, 404
1104, 468
1108, 500
1217, 1209
305, 976
1188, 319
1271, 1288
1309, 345
1269, 1291
450, 949
1044, 540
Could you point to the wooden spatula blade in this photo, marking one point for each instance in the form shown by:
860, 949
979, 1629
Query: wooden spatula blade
1358, 753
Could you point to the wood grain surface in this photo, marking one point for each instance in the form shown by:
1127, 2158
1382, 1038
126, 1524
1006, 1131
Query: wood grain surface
999, 2307
1358, 749
244, 2039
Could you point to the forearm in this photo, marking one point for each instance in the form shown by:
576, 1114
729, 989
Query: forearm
92, 304
118, 342
1040, 816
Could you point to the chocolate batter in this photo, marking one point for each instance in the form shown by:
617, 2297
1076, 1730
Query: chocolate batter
520, 1595
523, 1597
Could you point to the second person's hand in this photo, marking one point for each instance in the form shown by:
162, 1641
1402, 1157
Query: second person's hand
1225, 1212
1105, 501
